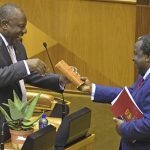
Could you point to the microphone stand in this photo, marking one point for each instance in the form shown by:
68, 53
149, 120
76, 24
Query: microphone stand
63, 105
49, 58
63, 100
2, 136
2, 133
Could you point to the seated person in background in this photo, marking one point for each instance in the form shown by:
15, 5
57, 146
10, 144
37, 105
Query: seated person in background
135, 135
15, 68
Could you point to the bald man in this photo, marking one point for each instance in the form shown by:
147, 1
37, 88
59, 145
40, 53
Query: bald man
15, 68
135, 135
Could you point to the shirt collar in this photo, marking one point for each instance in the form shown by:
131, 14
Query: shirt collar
146, 74
5, 41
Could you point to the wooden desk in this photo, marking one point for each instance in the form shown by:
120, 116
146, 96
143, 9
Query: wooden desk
51, 120
85, 144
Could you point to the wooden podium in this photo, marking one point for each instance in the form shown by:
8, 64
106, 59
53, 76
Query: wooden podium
85, 144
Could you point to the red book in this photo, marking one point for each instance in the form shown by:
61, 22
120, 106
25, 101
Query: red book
123, 106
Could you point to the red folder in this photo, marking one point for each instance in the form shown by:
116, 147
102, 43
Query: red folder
123, 106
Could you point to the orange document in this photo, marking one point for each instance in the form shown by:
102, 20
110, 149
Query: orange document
67, 71
124, 107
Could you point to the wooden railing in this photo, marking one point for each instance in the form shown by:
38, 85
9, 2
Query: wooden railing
118, 1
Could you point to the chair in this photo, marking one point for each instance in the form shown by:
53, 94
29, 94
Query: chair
47, 102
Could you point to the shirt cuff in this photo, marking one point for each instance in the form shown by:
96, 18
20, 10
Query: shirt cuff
27, 68
93, 91
62, 86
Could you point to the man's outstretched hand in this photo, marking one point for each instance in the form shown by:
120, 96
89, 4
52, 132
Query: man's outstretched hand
86, 87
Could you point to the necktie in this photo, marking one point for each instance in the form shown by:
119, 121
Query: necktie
21, 82
140, 83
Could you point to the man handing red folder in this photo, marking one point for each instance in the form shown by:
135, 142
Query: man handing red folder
135, 134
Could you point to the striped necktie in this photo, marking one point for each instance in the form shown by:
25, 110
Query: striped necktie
21, 82
140, 83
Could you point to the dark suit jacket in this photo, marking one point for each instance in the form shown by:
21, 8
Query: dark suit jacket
138, 130
10, 74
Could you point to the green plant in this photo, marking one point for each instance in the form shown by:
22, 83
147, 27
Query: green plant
21, 112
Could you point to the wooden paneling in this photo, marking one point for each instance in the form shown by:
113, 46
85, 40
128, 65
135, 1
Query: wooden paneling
143, 2
117, 1
34, 40
96, 37
142, 20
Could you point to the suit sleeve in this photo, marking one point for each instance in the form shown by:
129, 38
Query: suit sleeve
106, 94
11, 74
50, 81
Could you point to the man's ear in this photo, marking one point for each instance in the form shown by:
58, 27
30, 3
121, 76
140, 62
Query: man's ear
148, 58
4, 24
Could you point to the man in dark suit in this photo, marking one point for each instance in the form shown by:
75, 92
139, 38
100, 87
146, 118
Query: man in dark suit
15, 68
135, 135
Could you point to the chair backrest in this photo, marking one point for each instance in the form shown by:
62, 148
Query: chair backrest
45, 102
42, 139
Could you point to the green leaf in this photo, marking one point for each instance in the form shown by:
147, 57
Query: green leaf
5, 105
31, 107
25, 104
26, 120
15, 127
31, 122
26, 128
20, 113
14, 111
17, 101
8, 119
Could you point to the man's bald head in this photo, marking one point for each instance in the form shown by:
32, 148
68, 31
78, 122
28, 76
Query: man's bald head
12, 22
8, 11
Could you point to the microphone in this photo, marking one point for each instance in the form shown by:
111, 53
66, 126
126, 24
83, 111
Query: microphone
63, 101
49, 58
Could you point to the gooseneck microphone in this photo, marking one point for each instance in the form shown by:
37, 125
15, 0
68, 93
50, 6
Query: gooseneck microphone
63, 100
49, 58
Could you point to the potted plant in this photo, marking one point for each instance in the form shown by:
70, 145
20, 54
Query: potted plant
19, 119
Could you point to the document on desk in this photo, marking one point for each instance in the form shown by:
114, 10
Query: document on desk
124, 106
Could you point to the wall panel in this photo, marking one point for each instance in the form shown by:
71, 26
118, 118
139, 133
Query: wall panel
97, 37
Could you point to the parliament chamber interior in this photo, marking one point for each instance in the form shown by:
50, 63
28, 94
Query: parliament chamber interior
95, 36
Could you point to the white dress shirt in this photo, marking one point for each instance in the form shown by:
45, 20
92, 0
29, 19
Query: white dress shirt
12, 54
